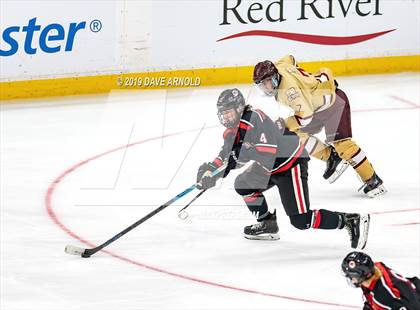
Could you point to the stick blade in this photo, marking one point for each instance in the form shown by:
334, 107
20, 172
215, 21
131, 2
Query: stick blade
74, 250
183, 215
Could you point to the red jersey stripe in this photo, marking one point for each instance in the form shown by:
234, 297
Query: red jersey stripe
317, 221
303, 72
266, 149
290, 164
388, 280
299, 190
244, 126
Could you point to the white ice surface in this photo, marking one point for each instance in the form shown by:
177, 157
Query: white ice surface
40, 140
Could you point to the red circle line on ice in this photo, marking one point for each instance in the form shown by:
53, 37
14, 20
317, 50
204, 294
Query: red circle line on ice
56, 220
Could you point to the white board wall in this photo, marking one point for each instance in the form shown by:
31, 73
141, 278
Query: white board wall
140, 36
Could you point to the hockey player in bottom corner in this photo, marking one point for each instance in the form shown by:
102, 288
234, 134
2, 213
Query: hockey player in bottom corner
280, 161
382, 287
318, 103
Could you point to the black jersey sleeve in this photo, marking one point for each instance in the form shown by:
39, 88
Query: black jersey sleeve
229, 151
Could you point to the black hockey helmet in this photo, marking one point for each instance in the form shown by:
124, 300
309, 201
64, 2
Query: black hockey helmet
267, 77
230, 100
357, 267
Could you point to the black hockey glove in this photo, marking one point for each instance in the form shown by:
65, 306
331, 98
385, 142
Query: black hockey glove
281, 124
204, 178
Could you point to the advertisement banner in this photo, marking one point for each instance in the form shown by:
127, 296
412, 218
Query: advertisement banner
41, 39
48, 39
241, 32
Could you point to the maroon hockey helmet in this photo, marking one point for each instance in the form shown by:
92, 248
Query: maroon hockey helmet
264, 70
357, 267
267, 77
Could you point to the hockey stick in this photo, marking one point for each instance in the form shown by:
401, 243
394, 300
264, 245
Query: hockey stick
73, 250
182, 214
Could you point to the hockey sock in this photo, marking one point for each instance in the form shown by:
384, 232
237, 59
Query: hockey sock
365, 170
351, 152
321, 151
325, 219
257, 205
317, 148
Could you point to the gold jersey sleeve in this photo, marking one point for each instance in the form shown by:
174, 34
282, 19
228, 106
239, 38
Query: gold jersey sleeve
303, 92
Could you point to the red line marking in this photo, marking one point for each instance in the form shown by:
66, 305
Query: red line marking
405, 224
308, 38
398, 211
412, 104
56, 220
383, 109
395, 211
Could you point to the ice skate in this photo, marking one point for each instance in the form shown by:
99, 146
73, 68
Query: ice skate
373, 187
335, 167
357, 225
267, 229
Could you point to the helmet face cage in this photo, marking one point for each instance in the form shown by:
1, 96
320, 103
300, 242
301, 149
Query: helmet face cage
354, 279
357, 267
227, 122
230, 99
274, 80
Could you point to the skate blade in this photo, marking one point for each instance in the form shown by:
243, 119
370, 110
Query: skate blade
364, 231
379, 191
73, 250
342, 166
263, 237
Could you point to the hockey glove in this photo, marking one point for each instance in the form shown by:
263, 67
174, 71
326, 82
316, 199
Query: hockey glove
204, 178
281, 124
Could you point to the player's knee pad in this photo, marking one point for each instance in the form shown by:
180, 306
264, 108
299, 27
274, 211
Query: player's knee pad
346, 149
301, 221
241, 187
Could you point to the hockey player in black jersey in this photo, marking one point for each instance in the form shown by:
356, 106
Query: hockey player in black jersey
279, 160
382, 287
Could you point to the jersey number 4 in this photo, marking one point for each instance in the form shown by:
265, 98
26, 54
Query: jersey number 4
263, 139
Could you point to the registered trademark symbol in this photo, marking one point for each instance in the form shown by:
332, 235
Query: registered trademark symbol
95, 25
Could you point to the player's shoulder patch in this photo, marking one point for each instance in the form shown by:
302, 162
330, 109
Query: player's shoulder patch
292, 94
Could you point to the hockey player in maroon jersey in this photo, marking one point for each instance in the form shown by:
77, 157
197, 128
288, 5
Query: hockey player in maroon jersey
279, 160
382, 287
318, 104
